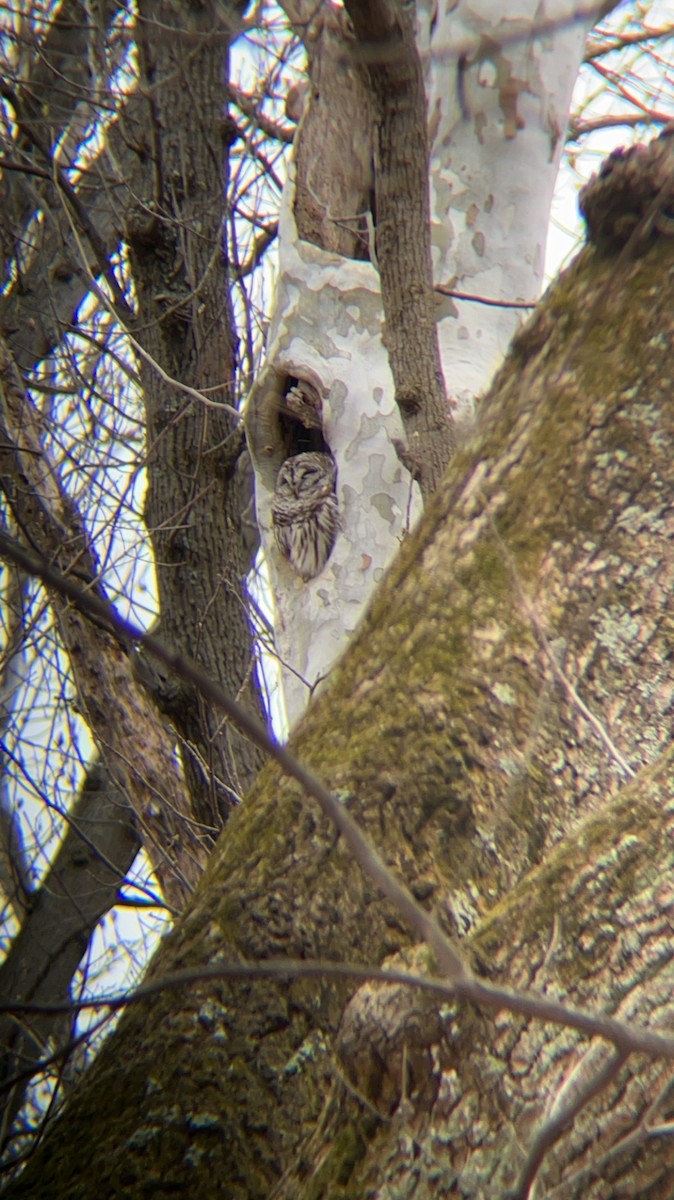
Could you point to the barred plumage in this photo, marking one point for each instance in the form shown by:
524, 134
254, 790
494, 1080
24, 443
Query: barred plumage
304, 511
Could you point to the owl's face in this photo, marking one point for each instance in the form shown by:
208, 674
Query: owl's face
306, 476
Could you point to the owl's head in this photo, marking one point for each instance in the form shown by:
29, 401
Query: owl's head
308, 474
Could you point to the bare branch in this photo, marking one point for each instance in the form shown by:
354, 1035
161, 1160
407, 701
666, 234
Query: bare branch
556, 1125
388, 49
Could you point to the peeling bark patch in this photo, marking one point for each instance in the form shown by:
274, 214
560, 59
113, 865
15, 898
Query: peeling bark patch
385, 507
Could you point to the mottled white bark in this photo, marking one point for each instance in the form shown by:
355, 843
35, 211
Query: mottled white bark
498, 104
498, 101
327, 329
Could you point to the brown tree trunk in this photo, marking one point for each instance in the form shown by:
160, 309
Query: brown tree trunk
177, 239
513, 675
388, 52
166, 196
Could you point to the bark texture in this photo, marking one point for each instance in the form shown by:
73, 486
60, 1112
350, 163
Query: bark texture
515, 668
58, 83
388, 51
335, 143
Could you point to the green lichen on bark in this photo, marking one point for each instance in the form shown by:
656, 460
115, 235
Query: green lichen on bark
452, 739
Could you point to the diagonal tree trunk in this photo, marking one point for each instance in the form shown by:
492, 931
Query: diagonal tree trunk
134, 742
501, 729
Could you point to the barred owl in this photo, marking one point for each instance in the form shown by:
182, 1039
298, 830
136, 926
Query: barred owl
304, 511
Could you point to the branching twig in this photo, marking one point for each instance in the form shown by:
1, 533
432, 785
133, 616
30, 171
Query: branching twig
140, 349
628, 1039
254, 113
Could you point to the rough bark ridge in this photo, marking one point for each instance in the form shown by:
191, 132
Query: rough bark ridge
516, 663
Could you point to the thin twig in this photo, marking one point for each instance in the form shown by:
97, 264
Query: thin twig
370, 862
458, 980
561, 678
555, 1126
628, 1039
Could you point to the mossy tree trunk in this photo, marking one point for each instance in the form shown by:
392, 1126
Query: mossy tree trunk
501, 728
